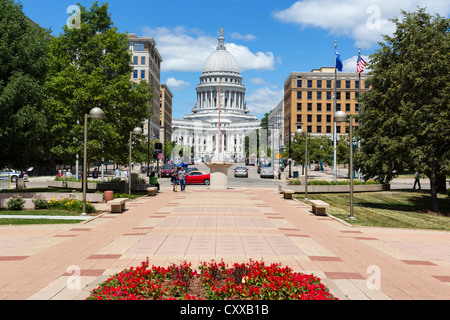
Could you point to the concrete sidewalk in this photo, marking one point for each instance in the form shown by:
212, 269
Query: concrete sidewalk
66, 262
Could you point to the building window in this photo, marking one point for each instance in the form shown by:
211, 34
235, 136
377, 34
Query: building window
348, 96
309, 83
142, 74
338, 107
338, 129
328, 83
319, 84
347, 107
138, 46
319, 129
309, 95
319, 107
135, 74
135, 60
357, 107
299, 118
328, 95
299, 83
319, 95
338, 84
319, 118
309, 106
309, 117
299, 95
357, 84
347, 84
328, 107
328, 118
299, 106
328, 129
143, 60
309, 129
338, 95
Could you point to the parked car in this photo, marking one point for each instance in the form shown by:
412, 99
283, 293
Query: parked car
197, 177
11, 174
267, 172
167, 170
241, 172
262, 166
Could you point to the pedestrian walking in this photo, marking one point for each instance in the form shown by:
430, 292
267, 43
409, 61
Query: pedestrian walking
182, 177
117, 173
417, 180
174, 179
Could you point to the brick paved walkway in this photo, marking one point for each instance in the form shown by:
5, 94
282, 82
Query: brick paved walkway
40, 262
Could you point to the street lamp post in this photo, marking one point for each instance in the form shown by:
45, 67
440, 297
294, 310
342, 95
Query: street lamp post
301, 132
290, 150
341, 116
95, 113
136, 131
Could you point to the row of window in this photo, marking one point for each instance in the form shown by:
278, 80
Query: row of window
328, 129
328, 94
328, 107
319, 118
329, 84
136, 60
232, 80
136, 73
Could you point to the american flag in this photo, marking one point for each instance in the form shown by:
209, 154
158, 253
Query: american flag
360, 64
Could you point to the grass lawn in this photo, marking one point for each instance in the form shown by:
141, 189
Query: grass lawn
21, 221
392, 209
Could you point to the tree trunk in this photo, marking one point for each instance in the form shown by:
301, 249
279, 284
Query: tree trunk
434, 189
441, 180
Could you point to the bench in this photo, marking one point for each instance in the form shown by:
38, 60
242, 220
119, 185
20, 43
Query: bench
118, 205
152, 191
318, 207
287, 194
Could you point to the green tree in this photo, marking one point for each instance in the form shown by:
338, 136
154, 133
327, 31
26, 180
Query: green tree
90, 67
23, 51
405, 117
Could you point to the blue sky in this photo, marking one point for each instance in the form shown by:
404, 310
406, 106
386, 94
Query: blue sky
270, 39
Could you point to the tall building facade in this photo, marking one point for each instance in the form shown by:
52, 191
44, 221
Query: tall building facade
308, 100
165, 114
206, 132
146, 62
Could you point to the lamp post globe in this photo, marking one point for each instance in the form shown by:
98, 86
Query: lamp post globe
340, 116
96, 113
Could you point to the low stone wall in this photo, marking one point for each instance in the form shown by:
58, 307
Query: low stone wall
333, 188
120, 187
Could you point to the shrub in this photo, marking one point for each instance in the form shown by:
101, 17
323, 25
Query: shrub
15, 203
70, 204
39, 203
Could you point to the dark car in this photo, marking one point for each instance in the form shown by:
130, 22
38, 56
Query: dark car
167, 170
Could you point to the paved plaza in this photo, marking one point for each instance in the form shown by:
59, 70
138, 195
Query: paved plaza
65, 262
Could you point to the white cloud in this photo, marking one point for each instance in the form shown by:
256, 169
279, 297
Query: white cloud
264, 99
363, 20
175, 84
238, 36
187, 50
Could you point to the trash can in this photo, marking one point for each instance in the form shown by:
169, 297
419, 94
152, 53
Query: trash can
295, 174
109, 195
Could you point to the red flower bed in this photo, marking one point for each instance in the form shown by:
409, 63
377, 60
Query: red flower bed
212, 281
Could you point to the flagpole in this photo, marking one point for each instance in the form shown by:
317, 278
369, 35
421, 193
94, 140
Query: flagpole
359, 109
334, 111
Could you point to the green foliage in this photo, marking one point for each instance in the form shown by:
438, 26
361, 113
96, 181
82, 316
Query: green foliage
40, 203
23, 48
405, 117
90, 67
15, 203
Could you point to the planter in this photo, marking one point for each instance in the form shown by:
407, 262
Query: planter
120, 187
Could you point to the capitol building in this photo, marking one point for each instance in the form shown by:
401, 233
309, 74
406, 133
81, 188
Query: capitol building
219, 121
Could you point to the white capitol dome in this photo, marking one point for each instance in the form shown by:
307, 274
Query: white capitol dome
221, 60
